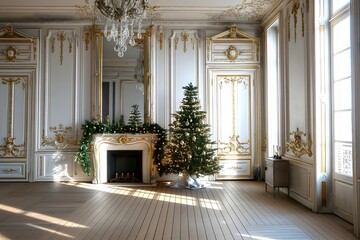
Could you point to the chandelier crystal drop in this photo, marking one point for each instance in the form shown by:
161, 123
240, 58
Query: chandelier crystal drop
121, 18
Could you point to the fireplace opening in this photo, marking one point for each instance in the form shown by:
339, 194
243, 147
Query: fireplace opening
124, 166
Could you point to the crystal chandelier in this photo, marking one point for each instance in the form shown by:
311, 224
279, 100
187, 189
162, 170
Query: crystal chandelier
121, 16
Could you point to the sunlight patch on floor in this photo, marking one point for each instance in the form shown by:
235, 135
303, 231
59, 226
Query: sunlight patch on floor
38, 216
49, 230
271, 232
148, 194
256, 237
210, 204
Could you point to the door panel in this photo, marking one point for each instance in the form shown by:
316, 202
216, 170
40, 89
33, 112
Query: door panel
232, 116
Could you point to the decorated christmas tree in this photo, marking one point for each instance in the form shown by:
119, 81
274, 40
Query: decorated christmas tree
135, 116
190, 150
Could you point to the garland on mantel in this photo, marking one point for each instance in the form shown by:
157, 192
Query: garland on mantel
94, 127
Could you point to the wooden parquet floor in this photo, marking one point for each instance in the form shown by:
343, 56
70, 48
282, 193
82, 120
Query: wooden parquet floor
224, 210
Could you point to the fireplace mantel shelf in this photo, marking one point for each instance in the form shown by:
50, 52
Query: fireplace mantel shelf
106, 142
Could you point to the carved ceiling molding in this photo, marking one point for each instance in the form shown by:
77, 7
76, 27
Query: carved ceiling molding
248, 10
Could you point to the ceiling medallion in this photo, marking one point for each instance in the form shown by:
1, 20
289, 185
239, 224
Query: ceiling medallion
248, 10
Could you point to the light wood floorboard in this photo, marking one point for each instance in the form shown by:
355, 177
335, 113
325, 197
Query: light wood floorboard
224, 210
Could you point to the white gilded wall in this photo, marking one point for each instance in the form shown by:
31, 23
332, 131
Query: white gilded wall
63, 102
18, 76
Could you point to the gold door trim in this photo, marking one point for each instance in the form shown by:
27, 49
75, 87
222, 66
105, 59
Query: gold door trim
10, 148
234, 146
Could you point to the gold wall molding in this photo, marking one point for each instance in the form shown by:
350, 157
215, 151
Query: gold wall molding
13, 37
10, 148
234, 146
126, 139
294, 12
184, 38
52, 42
307, 5
302, 23
288, 25
61, 37
91, 32
161, 37
208, 47
297, 146
35, 49
152, 31
244, 80
176, 41
61, 139
70, 44
87, 37
233, 31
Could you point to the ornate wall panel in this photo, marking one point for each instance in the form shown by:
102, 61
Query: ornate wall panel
298, 135
232, 120
18, 53
17, 47
232, 46
59, 101
184, 60
15, 103
232, 59
161, 84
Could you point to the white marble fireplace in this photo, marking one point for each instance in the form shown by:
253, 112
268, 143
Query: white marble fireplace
121, 142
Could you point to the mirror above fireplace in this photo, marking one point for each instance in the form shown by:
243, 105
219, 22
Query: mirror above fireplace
120, 82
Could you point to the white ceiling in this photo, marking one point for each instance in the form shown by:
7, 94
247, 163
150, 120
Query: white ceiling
243, 11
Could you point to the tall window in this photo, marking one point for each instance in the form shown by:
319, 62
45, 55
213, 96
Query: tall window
273, 84
341, 87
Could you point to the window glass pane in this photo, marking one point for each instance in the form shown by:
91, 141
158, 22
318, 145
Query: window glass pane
342, 65
341, 35
337, 4
342, 94
342, 126
343, 158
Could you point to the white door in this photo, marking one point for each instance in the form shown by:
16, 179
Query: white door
232, 101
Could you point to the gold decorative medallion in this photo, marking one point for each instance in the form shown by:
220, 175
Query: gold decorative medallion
11, 149
124, 139
11, 53
232, 53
